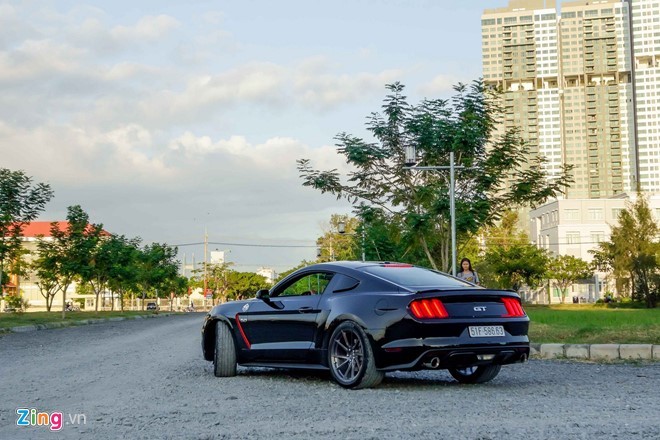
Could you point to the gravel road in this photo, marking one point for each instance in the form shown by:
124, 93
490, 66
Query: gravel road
146, 379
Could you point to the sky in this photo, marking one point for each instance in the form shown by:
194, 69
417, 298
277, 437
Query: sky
167, 119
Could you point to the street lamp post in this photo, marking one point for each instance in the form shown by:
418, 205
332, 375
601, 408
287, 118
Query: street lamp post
411, 165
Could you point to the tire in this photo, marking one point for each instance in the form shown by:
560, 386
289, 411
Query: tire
351, 358
224, 359
481, 374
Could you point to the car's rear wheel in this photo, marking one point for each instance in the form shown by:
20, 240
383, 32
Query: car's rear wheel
351, 357
480, 374
224, 359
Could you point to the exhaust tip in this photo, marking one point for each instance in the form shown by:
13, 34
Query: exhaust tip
434, 363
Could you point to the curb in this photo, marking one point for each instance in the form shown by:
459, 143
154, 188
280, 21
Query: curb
596, 352
56, 324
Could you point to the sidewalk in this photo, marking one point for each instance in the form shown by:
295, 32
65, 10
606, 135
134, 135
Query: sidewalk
596, 352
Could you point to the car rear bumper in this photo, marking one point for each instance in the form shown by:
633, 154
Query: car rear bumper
451, 352
455, 357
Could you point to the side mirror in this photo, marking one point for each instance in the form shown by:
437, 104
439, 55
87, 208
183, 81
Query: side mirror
263, 295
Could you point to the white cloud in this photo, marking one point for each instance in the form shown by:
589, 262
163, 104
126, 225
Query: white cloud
275, 154
439, 85
324, 91
128, 70
35, 59
214, 18
147, 28
319, 84
70, 154
12, 29
207, 95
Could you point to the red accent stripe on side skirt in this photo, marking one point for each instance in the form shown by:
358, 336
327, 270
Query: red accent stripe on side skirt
240, 329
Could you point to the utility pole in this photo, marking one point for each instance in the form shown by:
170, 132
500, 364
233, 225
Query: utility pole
341, 228
410, 161
206, 244
363, 258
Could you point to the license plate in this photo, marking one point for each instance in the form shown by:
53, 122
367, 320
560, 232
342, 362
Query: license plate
486, 331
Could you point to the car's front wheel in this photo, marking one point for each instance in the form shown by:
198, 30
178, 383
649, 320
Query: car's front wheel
479, 374
224, 359
351, 357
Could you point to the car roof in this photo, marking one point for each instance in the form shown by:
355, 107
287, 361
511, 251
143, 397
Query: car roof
361, 266
358, 265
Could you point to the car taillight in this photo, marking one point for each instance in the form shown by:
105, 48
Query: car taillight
513, 308
428, 309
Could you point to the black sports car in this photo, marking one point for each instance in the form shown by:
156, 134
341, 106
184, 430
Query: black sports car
362, 319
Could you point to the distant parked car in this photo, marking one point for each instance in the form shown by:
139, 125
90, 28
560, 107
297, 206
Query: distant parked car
152, 306
360, 320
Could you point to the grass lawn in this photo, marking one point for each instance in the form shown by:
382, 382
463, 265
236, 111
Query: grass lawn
18, 319
588, 324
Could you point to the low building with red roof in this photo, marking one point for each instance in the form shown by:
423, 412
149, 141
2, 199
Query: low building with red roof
31, 233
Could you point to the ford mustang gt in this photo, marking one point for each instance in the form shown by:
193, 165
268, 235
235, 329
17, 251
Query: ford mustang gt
360, 320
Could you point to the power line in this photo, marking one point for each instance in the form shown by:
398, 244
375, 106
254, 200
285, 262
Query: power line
247, 245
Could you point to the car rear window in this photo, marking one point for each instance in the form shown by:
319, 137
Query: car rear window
410, 276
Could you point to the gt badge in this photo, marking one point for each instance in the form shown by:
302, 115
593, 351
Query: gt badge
480, 309
246, 307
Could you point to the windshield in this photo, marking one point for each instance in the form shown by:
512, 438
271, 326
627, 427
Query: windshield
414, 277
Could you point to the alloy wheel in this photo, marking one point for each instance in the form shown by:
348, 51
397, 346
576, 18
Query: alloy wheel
347, 355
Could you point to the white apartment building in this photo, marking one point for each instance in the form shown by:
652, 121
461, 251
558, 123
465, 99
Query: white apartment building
519, 49
582, 85
268, 273
576, 226
646, 55
581, 82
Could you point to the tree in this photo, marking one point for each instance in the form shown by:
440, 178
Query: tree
286, 273
21, 201
244, 284
498, 239
500, 173
44, 267
565, 270
218, 280
125, 254
517, 264
156, 266
112, 265
335, 246
73, 248
176, 286
631, 253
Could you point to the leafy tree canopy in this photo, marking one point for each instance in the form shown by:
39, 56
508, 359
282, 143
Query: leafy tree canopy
336, 246
500, 172
21, 201
632, 253
517, 264
565, 270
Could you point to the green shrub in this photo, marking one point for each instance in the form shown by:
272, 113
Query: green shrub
17, 302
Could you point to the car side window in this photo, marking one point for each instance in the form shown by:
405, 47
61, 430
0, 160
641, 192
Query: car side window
344, 283
310, 284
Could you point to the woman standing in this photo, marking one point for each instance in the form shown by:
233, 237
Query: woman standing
467, 273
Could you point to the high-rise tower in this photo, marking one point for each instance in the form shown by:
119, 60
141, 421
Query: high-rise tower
567, 85
646, 56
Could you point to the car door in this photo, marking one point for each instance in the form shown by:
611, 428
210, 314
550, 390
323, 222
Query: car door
284, 327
